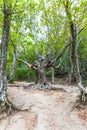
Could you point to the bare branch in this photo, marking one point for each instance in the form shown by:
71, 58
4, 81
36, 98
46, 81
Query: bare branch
25, 62
59, 55
62, 51
30, 65
80, 30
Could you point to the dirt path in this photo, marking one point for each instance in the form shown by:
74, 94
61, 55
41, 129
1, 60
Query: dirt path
51, 110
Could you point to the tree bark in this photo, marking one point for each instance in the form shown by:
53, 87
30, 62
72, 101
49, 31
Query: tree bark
3, 52
52, 70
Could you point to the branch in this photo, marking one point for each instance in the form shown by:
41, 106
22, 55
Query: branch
62, 51
25, 62
30, 65
59, 54
80, 30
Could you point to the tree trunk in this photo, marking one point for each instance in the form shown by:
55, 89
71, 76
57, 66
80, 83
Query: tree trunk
73, 51
3, 51
35, 35
41, 77
13, 67
74, 57
52, 70
41, 72
35, 39
74, 61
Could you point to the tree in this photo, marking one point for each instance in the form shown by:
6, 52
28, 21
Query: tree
74, 55
42, 64
8, 8
3, 55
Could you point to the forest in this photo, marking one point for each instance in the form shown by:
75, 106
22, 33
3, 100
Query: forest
43, 51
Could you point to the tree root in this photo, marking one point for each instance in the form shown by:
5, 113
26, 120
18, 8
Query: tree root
5, 107
83, 97
44, 87
8, 107
59, 89
80, 105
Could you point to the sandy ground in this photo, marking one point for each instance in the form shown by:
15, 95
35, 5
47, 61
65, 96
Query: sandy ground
44, 110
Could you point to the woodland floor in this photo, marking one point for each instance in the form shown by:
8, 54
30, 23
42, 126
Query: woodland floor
44, 110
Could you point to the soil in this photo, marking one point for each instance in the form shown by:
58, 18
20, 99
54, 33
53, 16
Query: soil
44, 110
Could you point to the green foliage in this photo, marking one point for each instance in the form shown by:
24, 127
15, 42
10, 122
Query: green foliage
85, 82
52, 32
23, 73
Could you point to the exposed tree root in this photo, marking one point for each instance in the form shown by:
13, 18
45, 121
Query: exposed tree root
5, 107
59, 89
44, 87
79, 104
8, 107
83, 97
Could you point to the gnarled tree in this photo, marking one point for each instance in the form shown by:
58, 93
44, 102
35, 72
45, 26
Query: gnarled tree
42, 64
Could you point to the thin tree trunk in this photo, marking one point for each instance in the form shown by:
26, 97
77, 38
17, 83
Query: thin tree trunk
13, 67
35, 32
79, 79
35, 38
3, 52
52, 70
